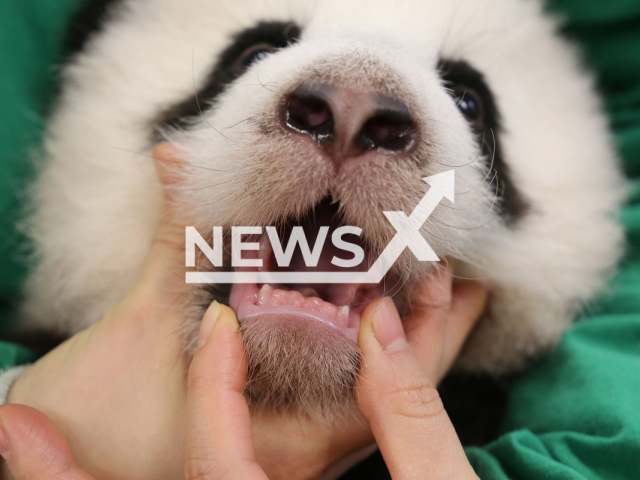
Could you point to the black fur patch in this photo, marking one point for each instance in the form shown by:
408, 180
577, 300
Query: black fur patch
225, 71
86, 22
512, 204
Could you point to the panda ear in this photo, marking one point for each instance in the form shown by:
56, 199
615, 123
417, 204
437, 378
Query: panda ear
168, 160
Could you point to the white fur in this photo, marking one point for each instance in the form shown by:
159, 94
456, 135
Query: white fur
97, 200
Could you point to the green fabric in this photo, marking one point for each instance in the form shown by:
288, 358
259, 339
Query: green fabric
31, 34
577, 414
12, 355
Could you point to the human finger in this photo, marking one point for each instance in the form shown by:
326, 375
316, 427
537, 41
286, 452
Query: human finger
402, 404
219, 434
34, 448
444, 312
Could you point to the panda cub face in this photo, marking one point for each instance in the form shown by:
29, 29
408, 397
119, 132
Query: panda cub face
315, 114
333, 129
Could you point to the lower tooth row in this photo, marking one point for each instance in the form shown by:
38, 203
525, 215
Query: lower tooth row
267, 289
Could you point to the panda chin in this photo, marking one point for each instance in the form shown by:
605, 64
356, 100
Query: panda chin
299, 367
302, 339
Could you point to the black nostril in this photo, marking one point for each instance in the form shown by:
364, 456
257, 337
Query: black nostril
391, 128
305, 111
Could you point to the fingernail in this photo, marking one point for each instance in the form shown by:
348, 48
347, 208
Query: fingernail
387, 327
4, 445
208, 322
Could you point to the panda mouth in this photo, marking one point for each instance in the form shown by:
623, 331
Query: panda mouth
316, 307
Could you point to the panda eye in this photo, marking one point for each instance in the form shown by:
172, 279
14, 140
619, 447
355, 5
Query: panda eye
253, 54
470, 105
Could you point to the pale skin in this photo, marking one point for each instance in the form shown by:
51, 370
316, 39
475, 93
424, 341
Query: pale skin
121, 401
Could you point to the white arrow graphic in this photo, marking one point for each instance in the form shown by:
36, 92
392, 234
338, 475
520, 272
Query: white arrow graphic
407, 236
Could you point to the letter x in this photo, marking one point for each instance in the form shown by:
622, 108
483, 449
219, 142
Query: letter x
408, 229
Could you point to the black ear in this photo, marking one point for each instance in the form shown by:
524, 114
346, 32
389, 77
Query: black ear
87, 21
511, 203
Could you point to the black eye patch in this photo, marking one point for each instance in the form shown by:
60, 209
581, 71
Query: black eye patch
247, 47
476, 102
468, 86
265, 35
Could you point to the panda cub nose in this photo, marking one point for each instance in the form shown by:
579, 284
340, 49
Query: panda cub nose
347, 123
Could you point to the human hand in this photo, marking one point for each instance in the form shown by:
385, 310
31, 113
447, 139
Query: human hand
219, 433
395, 392
35, 449
117, 389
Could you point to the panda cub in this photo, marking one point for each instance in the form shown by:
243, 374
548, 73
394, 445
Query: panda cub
294, 113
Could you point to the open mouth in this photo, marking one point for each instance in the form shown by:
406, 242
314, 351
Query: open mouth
337, 306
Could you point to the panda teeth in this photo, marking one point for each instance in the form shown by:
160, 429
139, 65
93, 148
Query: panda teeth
264, 293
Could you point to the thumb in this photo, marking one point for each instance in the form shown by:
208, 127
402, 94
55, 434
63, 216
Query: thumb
161, 290
402, 404
34, 448
164, 267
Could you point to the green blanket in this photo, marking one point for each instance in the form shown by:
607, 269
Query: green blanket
577, 414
